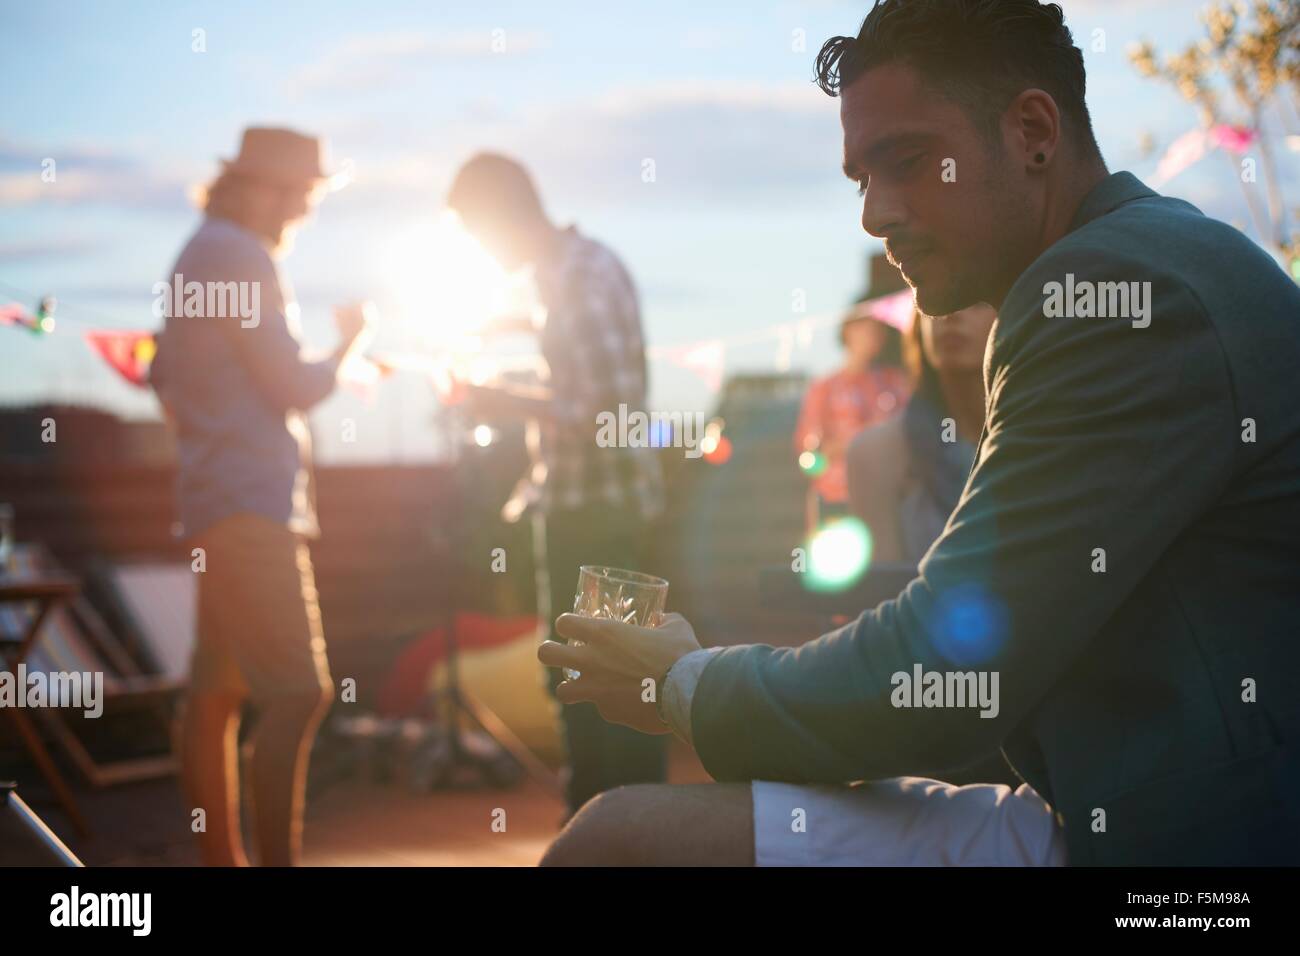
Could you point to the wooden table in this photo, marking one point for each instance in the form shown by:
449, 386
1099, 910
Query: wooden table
38, 592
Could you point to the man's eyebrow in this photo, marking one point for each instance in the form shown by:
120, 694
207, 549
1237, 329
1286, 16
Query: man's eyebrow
854, 166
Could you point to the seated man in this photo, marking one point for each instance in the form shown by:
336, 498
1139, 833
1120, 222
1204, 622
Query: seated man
1114, 601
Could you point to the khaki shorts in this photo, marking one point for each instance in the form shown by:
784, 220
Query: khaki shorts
259, 630
904, 821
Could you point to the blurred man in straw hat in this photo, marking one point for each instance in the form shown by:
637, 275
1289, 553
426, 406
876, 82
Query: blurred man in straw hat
236, 389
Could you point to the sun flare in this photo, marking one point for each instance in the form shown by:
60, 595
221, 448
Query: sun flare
444, 284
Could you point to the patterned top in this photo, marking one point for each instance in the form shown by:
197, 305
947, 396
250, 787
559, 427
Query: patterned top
593, 346
839, 406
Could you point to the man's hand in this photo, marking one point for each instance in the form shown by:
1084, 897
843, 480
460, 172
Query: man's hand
615, 661
355, 322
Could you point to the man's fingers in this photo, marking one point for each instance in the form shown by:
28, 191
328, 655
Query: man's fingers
595, 630
598, 689
555, 654
576, 691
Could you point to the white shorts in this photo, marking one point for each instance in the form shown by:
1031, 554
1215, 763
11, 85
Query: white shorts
904, 821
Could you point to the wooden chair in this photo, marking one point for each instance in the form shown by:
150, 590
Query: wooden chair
26, 602
74, 638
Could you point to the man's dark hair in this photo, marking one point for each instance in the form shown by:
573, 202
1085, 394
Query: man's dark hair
497, 186
979, 53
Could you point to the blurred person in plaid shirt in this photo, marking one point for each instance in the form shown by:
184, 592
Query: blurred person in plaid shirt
589, 504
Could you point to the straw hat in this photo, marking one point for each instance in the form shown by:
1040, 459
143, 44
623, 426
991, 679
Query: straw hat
285, 157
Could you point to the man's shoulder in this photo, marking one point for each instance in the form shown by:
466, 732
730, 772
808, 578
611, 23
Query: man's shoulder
591, 261
221, 250
1159, 242
1134, 265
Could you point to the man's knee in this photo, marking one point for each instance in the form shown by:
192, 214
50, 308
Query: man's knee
606, 831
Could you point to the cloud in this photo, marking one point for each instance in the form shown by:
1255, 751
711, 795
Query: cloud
83, 175
135, 191
701, 141
61, 248
708, 142
18, 157
379, 60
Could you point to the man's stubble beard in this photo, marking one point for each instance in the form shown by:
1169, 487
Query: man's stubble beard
975, 277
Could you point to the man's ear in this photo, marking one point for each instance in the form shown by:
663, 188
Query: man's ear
1035, 123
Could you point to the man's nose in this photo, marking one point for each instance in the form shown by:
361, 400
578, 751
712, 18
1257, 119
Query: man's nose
881, 211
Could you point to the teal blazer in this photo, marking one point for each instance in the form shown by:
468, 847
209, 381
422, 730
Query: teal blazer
1125, 555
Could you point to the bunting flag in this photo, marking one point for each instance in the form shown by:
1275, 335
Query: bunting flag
42, 323
13, 314
129, 353
1235, 139
707, 360
1190, 148
895, 309
1187, 150
785, 347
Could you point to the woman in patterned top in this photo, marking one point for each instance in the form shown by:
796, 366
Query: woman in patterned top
868, 389
905, 475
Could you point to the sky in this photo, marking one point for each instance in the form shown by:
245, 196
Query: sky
747, 216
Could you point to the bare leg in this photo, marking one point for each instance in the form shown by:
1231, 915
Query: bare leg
282, 743
210, 774
710, 824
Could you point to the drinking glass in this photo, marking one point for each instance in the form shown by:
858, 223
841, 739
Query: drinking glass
618, 595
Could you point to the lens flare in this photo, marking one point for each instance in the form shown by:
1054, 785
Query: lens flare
812, 463
970, 625
716, 452
838, 555
443, 280
661, 433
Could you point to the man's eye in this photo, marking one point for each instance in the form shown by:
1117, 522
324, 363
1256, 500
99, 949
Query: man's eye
909, 165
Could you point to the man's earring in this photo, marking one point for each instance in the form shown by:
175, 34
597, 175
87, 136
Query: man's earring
1039, 158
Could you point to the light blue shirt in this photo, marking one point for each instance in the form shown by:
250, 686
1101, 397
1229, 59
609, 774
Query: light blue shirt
236, 389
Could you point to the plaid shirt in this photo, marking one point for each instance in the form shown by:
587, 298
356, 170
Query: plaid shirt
593, 346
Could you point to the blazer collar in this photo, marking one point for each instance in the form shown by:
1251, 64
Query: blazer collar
1109, 194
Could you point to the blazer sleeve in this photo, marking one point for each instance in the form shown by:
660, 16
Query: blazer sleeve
1098, 435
